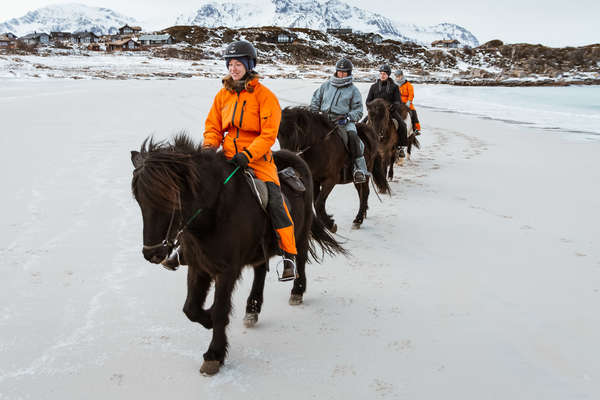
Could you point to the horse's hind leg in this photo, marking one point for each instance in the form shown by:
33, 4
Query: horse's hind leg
363, 196
255, 299
198, 283
215, 355
296, 297
329, 222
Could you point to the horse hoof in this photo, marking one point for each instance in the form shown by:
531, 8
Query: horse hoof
210, 368
333, 228
295, 299
250, 320
355, 225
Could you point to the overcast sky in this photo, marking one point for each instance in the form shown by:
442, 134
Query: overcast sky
557, 23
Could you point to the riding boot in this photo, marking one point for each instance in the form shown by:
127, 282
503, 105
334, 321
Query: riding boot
360, 170
402, 135
284, 229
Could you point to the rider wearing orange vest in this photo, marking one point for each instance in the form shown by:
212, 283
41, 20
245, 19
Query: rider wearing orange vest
245, 118
407, 94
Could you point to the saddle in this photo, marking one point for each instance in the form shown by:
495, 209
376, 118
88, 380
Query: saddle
287, 176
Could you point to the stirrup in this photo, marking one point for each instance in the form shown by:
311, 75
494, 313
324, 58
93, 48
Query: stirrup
280, 277
359, 176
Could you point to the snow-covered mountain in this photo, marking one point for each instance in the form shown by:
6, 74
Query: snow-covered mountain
67, 18
313, 14
320, 15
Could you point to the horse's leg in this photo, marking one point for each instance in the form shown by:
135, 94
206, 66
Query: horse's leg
198, 283
215, 355
363, 194
329, 222
300, 282
255, 299
391, 167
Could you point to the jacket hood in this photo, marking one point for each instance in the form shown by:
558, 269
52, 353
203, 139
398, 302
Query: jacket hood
248, 83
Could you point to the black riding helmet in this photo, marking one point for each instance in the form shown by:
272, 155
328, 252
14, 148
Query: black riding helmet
344, 65
385, 68
239, 49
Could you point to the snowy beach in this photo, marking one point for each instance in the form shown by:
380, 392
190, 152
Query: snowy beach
479, 278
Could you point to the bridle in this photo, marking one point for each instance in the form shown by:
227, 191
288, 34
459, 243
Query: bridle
171, 244
167, 242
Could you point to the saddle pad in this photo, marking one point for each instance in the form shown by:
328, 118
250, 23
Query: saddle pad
259, 188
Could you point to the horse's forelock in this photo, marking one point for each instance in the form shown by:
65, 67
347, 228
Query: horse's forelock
166, 169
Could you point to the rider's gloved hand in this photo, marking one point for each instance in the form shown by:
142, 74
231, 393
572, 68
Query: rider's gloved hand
240, 160
343, 121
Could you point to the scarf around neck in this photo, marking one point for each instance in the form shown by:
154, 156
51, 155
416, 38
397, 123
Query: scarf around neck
340, 82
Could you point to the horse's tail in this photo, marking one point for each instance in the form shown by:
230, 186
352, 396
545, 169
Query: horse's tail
379, 176
324, 239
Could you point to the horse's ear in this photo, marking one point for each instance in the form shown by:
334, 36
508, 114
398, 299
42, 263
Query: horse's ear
136, 158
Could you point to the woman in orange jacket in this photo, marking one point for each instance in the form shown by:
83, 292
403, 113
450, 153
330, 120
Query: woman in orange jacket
407, 94
244, 118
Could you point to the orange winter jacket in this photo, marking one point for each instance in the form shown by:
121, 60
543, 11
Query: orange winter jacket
407, 92
250, 119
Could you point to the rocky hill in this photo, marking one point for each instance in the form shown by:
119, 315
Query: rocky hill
493, 63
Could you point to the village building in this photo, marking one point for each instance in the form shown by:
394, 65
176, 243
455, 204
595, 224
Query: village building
151, 40
85, 37
60, 36
286, 37
6, 42
35, 38
9, 35
447, 44
123, 45
129, 30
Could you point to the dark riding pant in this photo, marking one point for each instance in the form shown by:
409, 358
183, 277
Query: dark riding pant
402, 130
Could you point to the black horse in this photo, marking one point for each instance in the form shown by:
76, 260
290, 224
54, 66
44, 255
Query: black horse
221, 227
314, 137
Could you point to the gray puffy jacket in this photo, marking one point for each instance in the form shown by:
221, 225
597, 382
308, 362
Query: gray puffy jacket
338, 96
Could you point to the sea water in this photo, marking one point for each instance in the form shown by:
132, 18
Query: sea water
572, 110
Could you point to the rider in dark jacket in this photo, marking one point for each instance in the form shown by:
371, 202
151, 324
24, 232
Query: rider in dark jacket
386, 88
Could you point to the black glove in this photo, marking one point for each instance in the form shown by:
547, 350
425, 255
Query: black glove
240, 159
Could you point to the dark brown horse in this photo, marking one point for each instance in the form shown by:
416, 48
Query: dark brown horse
221, 227
380, 120
315, 137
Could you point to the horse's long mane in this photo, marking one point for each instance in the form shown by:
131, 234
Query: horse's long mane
167, 168
300, 127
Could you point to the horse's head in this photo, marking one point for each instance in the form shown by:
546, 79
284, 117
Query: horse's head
300, 128
164, 181
379, 117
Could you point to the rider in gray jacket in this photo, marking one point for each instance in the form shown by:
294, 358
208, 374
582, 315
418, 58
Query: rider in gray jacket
342, 102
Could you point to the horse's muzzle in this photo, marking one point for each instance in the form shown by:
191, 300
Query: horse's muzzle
155, 256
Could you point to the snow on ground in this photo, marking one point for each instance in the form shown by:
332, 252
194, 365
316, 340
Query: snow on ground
479, 278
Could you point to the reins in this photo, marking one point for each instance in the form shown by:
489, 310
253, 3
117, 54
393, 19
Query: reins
324, 137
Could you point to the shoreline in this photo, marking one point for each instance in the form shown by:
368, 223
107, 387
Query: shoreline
138, 66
